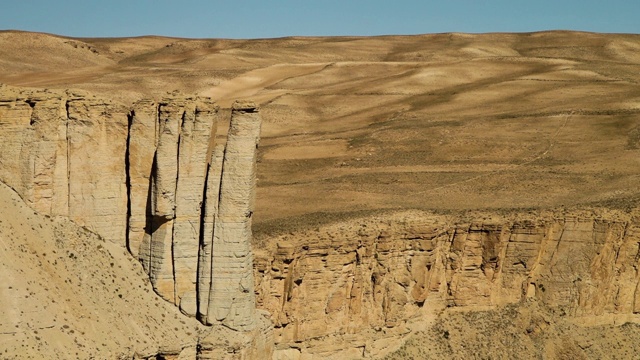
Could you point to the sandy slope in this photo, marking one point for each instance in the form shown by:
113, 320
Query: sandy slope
254, 84
523, 331
62, 288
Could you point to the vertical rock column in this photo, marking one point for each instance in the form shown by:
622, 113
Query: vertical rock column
33, 150
64, 153
165, 222
49, 156
15, 133
206, 245
142, 144
163, 202
97, 141
198, 127
232, 297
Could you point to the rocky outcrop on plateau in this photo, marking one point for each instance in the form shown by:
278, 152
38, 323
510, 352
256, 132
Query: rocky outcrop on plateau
148, 179
356, 288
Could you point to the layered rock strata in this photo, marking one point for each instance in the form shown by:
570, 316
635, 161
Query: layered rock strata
152, 179
231, 296
147, 178
354, 289
168, 242
64, 154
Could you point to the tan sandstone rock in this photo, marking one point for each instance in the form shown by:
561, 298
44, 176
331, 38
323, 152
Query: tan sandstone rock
64, 153
361, 285
67, 293
96, 135
232, 298
199, 125
168, 244
214, 175
143, 137
139, 177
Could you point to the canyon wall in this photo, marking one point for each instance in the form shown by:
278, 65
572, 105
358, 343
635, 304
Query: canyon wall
356, 288
148, 178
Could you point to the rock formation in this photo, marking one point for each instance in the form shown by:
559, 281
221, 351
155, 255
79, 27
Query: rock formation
356, 288
174, 194
148, 179
214, 174
232, 298
64, 153
63, 288
152, 179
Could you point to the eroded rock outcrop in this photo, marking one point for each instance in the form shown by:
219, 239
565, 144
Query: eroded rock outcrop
196, 243
64, 152
151, 179
175, 174
355, 289
64, 288
232, 298
148, 178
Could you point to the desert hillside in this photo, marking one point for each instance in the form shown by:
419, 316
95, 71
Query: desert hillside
422, 190
64, 288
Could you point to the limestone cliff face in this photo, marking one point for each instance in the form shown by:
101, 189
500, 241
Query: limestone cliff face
64, 287
352, 289
64, 153
148, 178
232, 291
167, 190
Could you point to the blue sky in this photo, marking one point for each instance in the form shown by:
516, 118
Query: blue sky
276, 18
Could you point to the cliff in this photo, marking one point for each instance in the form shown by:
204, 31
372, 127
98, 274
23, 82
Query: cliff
67, 293
356, 288
151, 179
64, 154
147, 179
64, 287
